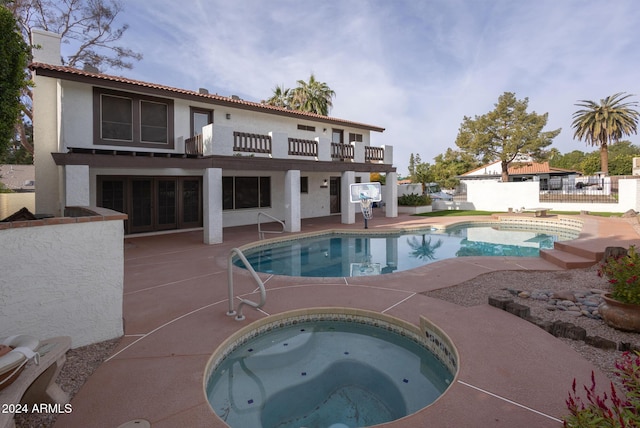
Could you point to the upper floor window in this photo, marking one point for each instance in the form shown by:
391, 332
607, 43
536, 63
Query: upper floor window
306, 128
199, 119
337, 136
355, 137
126, 119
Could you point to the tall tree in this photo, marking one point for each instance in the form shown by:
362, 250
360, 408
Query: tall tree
312, 96
423, 175
412, 166
281, 97
87, 26
13, 61
605, 123
451, 164
505, 133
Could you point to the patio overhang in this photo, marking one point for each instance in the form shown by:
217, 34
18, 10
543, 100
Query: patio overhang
165, 160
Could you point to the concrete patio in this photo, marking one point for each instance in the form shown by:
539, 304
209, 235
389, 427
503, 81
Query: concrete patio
512, 373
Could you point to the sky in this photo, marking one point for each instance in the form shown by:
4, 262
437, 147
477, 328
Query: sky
413, 67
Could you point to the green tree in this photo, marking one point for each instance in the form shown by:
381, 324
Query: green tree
452, 164
571, 160
423, 175
412, 166
605, 123
505, 133
621, 157
89, 26
590, 164
312, 96
281, 97
14, 53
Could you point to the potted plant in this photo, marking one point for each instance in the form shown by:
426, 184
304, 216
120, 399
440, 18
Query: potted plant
621, 307
414, 204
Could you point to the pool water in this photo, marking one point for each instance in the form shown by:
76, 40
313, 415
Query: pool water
340, 255
323, 374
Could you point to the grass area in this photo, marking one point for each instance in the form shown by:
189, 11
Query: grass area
459, 213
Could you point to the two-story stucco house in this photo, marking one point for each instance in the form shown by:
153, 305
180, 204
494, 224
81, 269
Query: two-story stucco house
178, 159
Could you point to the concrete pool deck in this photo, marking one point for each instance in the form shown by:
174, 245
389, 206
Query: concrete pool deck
512, 373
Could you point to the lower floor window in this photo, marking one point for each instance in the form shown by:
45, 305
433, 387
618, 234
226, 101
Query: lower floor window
153, 203
246, 192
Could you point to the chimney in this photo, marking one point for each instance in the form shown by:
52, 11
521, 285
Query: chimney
46, 47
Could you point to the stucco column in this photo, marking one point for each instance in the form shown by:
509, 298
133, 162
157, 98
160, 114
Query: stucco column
212, 205
77, 186
390, 195
347, 207
292, 201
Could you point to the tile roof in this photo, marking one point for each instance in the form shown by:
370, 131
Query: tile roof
524, 168
60, 71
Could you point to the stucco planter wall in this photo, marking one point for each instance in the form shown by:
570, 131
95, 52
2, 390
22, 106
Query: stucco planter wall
63, 276
414, 210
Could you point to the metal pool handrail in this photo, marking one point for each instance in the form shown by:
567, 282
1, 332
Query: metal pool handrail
262, 232
256, 278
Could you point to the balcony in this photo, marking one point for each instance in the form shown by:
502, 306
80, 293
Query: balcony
193, 146
225, 141
342, 152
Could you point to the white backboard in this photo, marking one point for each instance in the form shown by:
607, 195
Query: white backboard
371, 191
365, 269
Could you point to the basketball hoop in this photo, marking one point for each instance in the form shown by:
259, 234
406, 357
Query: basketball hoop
365, 194
365, 204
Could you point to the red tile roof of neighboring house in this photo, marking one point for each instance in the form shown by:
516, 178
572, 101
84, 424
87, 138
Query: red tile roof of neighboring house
525, 168
60, 71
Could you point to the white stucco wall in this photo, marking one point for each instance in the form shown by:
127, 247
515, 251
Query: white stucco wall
491, 195
63, 279
77, 123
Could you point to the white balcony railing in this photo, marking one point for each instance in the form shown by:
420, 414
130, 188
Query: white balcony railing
225, 141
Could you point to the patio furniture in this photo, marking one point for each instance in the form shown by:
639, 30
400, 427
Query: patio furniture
538, 212
36, 386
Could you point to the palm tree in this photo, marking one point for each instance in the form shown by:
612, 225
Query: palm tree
605, 123
313, 96
423, 249
281, 97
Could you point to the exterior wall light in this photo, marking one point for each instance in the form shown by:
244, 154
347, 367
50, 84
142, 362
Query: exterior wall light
325, 184
228, 115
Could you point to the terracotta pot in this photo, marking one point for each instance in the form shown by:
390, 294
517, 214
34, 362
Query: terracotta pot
622, 316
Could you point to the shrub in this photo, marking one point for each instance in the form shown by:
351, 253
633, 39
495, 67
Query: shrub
414, 200
623, 273
608, 410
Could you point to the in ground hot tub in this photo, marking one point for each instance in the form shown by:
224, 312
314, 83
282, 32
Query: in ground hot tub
328, 367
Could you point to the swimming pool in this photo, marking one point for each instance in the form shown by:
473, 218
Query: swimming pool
347, 255
328, 367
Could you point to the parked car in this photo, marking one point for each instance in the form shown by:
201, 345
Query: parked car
436, 193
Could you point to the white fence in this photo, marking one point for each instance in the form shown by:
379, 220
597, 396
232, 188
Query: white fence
489, 195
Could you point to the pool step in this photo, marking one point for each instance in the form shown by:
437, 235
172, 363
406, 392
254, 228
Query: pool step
566, 260
588, 249
568, 255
